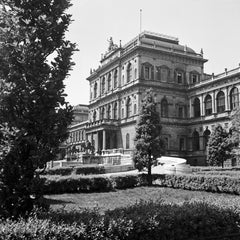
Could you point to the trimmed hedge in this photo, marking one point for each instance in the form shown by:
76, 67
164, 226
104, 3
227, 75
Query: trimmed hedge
219, 184
84, 170
138, 222
78, 184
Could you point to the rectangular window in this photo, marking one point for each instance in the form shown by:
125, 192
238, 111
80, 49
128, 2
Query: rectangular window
181, 144
179, 77
194, 78
147, 73
180, 112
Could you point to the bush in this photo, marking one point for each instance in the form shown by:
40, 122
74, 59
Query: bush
138, 222
89, 170
63, 171
95, 183
83, 170
220, 184
123, 182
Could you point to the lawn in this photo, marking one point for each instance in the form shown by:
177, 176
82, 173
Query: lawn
122, 198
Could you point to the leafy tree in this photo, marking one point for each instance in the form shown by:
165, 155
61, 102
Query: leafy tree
234, 136
149, 145
35, 59
219, 148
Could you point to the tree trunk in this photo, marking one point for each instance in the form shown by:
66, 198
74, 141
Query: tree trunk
149, 176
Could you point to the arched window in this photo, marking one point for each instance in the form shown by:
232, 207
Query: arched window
129, 107
103, 84
164, 108
115, 111
135, 73
220, 102
195, 141
103, 113
122, 112
94, 116
129, 72
135, 109
208, 105
115, 79
109, 82
127, 141
196, 107
206, 135
109, 112
95, 90
234, 98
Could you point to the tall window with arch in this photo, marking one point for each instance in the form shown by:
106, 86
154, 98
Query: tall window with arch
234, 98
196, 107
135, 109
115, 111
135, 73
164, 108
103, 85
109, 81
115, 78
109, 112
195, 141
94, 116
128, 107
129, 72
95, 90
208, 105
220, 102
127, 141
103, 113
206, 135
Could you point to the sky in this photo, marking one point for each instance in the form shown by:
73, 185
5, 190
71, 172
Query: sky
213, 25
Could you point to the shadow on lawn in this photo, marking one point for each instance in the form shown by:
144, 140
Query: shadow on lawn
50, 201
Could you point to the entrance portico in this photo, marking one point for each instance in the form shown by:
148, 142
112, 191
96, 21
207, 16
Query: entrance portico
103, 134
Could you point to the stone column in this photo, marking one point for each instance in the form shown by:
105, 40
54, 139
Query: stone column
104, 140
202, 112
214, 104
96, 142
227, 102
190, 108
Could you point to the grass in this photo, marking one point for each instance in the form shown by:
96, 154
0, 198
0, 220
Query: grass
123, 198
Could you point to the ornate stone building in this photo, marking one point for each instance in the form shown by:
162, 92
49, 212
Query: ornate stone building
190, 102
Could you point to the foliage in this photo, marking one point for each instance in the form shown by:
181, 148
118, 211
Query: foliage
149, 145
143, 220
234, 137
77, 184
219, 148
199, 182
35, 59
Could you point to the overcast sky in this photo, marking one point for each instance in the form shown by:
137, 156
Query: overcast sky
213, 25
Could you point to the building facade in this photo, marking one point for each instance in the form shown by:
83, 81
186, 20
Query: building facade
190, 103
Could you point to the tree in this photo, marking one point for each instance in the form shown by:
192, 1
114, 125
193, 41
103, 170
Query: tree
234, 136
219, 148
149, 145
35, 59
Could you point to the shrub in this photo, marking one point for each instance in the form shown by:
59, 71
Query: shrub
89, 170
83, 170
123, 182
144, 220
95, 183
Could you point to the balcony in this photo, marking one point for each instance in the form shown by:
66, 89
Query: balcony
105, 122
